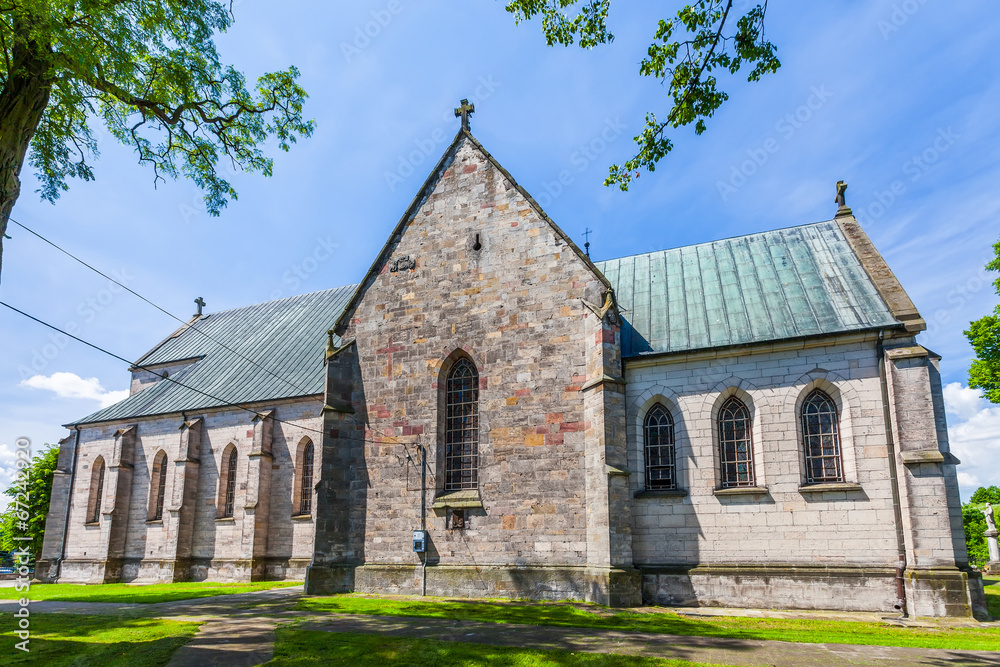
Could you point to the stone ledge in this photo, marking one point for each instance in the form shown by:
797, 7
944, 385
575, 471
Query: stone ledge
829, 486
742, 491
922, 456
661, 493
458, 500
302, 517
768, 569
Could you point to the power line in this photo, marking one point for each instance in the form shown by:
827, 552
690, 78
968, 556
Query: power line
159, 308
226, 404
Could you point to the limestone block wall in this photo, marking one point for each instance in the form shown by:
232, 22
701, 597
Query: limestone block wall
214, 548
785, 525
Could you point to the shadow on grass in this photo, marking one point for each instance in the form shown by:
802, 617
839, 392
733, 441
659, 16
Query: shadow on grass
296, 647
59, 640
666, 622
139, 594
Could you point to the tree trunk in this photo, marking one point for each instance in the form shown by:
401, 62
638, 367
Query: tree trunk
23, 100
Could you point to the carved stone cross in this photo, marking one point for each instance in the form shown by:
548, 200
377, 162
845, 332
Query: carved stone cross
201, 304
465, 111
389, 350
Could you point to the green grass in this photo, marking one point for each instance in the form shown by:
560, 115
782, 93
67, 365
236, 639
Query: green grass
592, 616
993, 596
294, 647
109, 641
128, 593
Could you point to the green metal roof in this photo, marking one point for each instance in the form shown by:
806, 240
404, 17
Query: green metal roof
285, 339
788, 283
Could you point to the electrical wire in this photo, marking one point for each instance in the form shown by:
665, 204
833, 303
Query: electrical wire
154, 305
226, 404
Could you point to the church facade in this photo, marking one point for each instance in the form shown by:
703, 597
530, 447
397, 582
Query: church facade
489, 413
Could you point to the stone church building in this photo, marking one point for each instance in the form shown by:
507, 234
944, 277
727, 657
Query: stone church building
745, 422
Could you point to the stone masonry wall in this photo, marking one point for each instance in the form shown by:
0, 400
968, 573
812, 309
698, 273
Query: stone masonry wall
784, 525
215, 549
492, 281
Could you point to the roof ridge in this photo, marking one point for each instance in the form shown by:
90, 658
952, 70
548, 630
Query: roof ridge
725, 238
272, 301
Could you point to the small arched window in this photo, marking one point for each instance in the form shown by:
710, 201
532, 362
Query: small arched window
227, 483
461, 470
96, 491
157, 486
658, 431
821, 439
735, 444
306, 473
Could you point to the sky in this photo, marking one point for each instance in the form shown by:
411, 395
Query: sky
897, 98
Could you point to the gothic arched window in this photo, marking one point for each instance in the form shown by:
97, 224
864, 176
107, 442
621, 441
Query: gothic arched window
157, 486
96, 490
461, 469
227, 483
821, 439
658, 431
306, 483
735, 444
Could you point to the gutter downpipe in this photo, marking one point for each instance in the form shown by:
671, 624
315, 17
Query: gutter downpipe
423, 518
893, 478
69, 499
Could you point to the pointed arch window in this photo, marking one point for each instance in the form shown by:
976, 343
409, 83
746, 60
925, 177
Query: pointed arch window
736, 445
96, 491
306, 481
227, 483
658, 432
821, 439
462, 427
157, 486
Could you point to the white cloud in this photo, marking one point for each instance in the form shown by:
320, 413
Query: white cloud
71, 385
974, 433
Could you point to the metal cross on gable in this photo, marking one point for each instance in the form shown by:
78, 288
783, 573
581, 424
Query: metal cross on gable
201, 304
465, 111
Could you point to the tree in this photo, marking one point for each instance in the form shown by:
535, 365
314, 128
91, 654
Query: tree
984, 334
700, 39
39, 491
975, 523
149, 71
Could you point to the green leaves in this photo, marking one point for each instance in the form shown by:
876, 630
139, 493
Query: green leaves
974, 522
686, 49
39, 491
149, 71
984, 335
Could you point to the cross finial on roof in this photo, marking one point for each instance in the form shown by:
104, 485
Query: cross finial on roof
841, 200
586, 235
465, 111
201, 304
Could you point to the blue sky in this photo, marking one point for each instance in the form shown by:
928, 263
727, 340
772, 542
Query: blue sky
897, 98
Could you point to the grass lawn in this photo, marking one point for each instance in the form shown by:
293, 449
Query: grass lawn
993, 596
580, 616
142, 594
315, 647
109, 641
